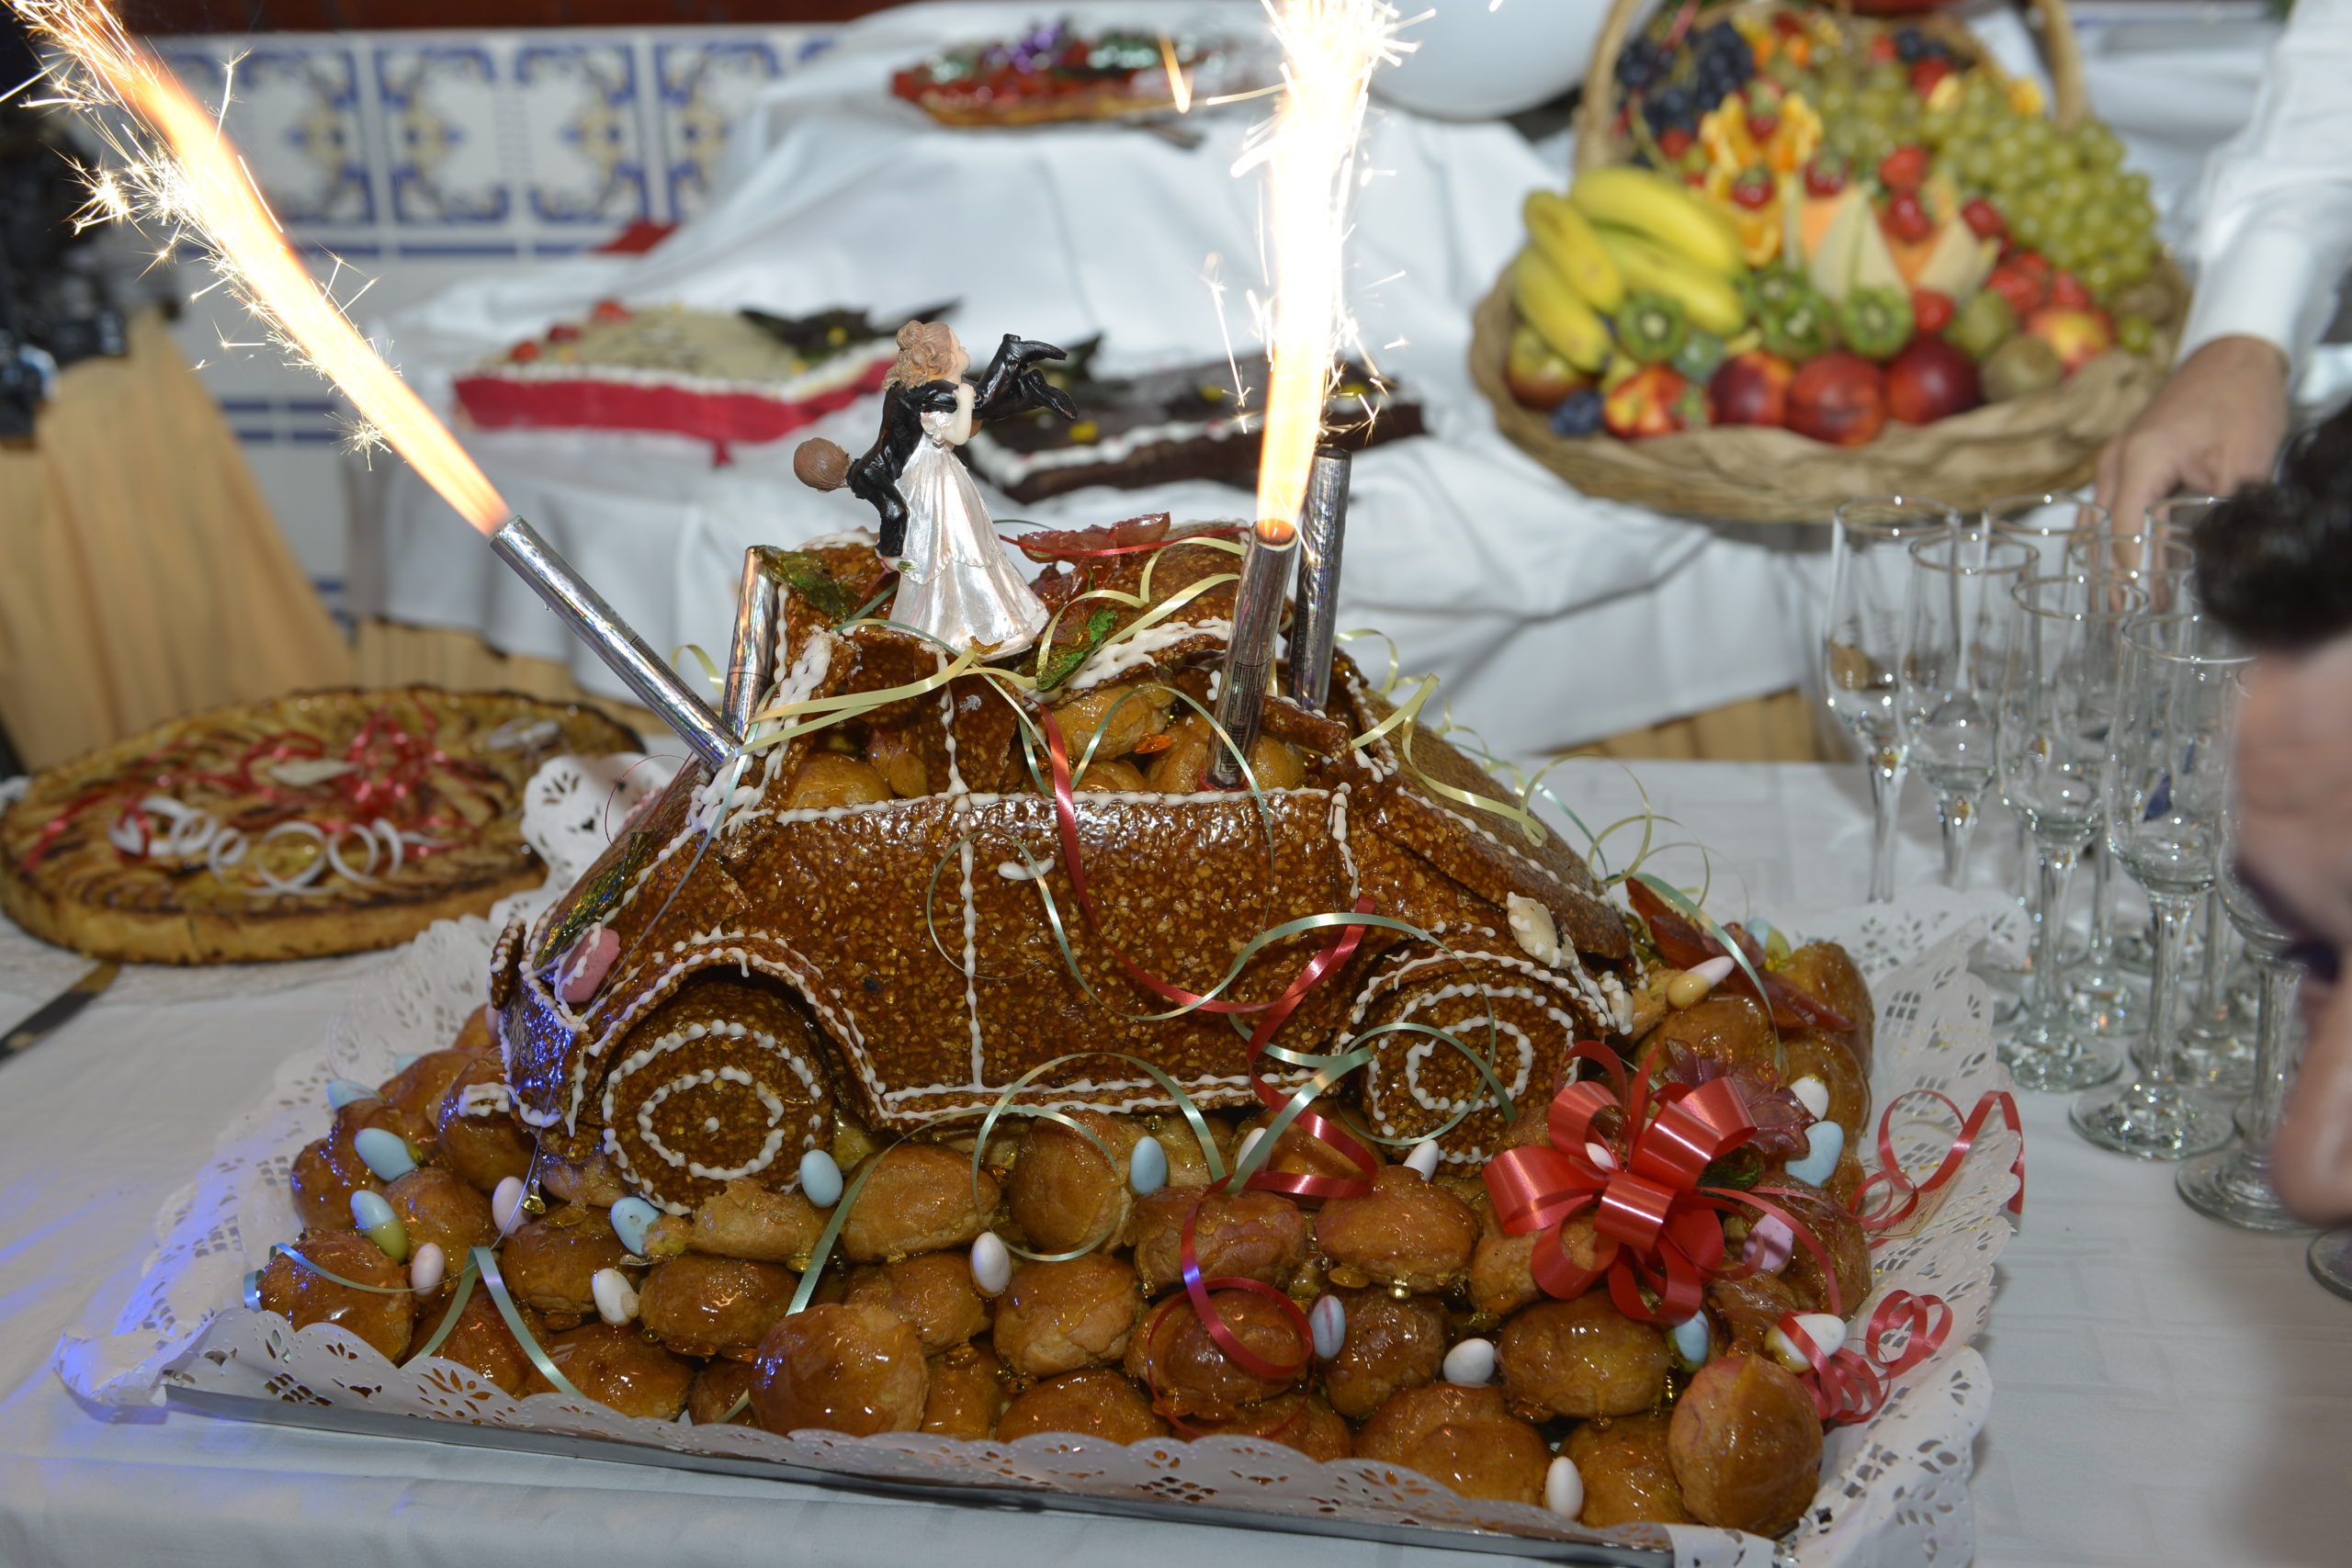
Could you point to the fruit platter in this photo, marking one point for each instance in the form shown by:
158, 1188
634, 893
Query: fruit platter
1842, 254
1053, 74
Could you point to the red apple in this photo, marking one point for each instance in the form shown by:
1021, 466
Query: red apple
1839, 398
1536, 375
1752, 388
2080, 336
1930, 379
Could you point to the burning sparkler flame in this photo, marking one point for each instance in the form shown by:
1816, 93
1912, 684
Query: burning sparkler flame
203, 187
1329, 51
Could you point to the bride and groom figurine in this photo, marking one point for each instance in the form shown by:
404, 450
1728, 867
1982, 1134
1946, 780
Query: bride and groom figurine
955, 582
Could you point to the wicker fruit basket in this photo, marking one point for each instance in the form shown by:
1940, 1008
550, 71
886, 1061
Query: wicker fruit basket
2030, 439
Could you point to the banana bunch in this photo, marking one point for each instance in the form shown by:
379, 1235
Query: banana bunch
1623, 231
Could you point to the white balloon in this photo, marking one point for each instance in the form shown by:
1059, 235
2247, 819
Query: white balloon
1477, 60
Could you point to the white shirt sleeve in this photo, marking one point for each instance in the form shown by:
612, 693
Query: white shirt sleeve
2275, 232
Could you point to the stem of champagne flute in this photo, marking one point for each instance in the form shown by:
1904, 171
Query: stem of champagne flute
2273, 1048
2155, 1053
2102, 885
1956, 809
1886, 799
2212, 998
2056, 868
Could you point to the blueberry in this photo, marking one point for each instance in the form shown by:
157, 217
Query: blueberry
1908, 44
1578, 414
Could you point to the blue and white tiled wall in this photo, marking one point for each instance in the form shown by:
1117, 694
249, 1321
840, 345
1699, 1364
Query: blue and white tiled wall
420, 158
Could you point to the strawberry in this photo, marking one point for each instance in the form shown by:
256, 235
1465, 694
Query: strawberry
1761, 127
1930, 311
2019, 286
524, 353
1752, 190
1674, 142
1926, 74
1825, 175
1904, 169
1882, 51
1907, 217
1984, 219
608, 311
2068, 292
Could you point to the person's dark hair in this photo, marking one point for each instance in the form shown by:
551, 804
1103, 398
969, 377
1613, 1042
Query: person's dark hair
2274, 561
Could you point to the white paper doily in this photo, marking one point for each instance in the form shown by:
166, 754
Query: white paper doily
1895, 1489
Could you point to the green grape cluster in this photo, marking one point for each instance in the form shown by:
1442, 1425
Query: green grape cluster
2064, 193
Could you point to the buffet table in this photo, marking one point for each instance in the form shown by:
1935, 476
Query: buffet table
2167, 1391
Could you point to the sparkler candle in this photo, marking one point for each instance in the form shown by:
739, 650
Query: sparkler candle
197, 183
1314, 621
1308, 150
751, 659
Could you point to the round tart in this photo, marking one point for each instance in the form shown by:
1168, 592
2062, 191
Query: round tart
319, 823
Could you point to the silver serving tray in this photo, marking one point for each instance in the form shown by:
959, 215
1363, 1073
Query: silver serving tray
945, 1494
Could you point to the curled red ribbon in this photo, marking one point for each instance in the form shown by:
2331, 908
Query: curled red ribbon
1850, 1386
1905, 1195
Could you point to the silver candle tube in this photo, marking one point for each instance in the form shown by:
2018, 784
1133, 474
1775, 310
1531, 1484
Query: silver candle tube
750, 658
1249, 653
1314, 621
582, 609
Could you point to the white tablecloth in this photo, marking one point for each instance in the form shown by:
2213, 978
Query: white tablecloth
2166, 1391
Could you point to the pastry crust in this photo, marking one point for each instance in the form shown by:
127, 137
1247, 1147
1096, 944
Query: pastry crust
79, 890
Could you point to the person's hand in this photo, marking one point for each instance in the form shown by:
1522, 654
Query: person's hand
2215, 425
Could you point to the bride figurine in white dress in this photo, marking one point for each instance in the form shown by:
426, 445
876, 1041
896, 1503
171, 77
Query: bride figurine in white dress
955, 582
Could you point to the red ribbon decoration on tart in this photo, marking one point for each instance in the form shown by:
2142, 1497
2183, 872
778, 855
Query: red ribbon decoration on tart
1850, 1386
1659, 1229
1907, 1194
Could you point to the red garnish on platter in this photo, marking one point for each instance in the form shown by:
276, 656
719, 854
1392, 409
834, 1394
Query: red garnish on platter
1984, 219
1825, 176
1753, 189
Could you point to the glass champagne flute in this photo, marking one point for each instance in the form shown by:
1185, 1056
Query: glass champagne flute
1957, 651
1862, 645
2168, 768
2107, 995
2171, 520
2233, 1186
2045, 522
2052, 749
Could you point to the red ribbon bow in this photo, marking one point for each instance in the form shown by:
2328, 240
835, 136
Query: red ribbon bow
1656, 1226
